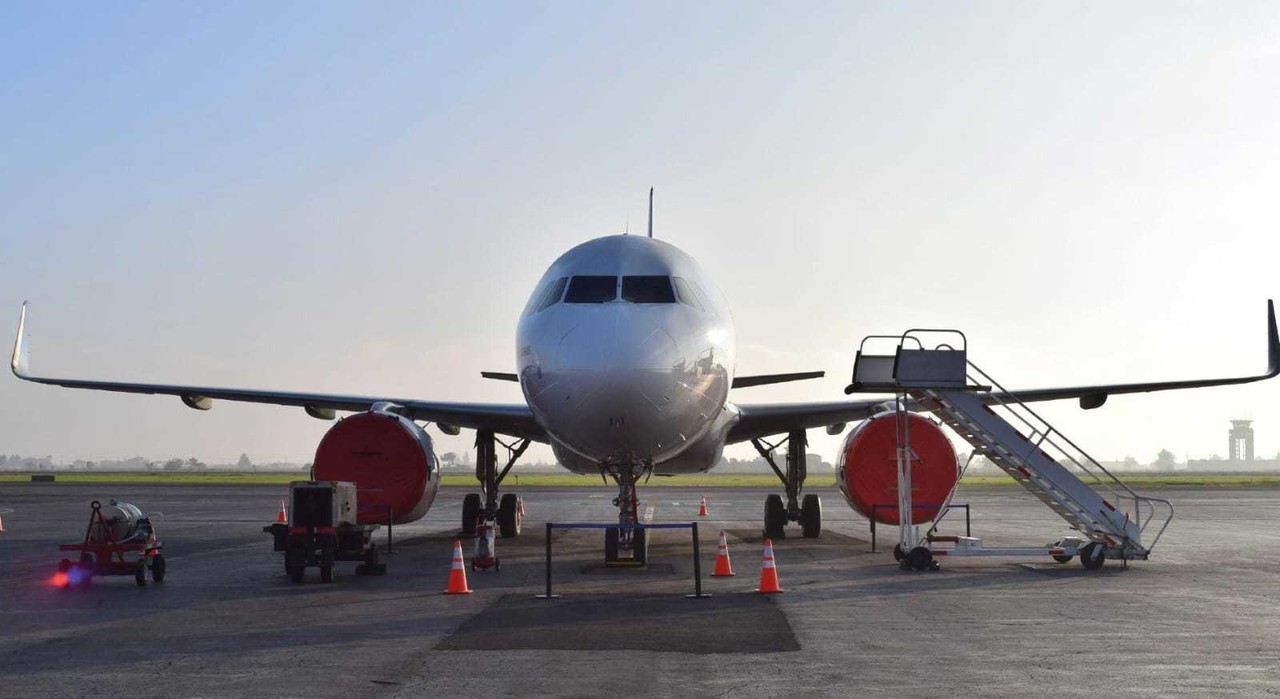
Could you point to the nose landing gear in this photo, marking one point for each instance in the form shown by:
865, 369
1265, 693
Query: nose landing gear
807, 511
627, 543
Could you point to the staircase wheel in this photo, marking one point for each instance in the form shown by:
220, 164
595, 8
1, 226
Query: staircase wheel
920, 558
1092, 556
898, 554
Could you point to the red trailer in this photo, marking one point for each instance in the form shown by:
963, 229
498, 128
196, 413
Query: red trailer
120, 541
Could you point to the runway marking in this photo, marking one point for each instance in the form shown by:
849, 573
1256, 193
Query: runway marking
648, 512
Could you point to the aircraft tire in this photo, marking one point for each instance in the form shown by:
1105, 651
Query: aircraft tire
811, 516
509, 519
920, 558
775, 517
611, 545
640, 545
470, 513
157, 568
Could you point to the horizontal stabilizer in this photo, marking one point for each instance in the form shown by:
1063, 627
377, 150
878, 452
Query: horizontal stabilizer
499, 375
765, 379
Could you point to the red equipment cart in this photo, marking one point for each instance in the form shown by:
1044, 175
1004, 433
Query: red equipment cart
109, 543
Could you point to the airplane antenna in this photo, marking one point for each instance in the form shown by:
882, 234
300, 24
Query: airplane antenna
651, 212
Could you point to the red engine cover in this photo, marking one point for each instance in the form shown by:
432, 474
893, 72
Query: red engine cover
390, 460
867, 470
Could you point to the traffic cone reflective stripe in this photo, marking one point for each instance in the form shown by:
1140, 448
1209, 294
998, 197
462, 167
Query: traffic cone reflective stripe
723, 568
702, 509
283, 516
768, 571
457, 573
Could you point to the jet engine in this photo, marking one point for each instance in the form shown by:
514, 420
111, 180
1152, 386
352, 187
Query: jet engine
867, 468
389, 458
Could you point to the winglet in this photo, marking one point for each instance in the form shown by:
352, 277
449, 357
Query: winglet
19, 363
1273, 341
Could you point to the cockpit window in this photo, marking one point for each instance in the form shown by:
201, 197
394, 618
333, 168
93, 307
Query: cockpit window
647, 290
552, 295
686, 294
592, 290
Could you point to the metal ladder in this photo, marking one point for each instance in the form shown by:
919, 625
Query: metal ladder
1044, 461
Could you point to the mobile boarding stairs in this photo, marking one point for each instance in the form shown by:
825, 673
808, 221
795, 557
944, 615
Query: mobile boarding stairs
1112, 519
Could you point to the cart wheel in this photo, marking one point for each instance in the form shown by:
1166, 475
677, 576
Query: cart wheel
1062, 559
157, 568
140, 577
326, 574
295, 573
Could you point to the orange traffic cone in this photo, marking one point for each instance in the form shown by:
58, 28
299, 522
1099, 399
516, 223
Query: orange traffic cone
283, 516
768, 571
723, 567
457, 573
702, 509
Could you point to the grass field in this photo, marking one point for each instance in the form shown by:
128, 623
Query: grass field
693, 481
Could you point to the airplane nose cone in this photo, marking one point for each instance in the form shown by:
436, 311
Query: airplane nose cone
622, 390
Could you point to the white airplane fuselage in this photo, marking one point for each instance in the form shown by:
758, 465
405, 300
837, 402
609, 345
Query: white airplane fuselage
625, 355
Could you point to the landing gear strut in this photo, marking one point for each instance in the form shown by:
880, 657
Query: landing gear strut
627, 543
808, 512
485, 507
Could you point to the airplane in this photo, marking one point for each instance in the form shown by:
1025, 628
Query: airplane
625, 356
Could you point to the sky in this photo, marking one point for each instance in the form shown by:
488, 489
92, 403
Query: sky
359, 198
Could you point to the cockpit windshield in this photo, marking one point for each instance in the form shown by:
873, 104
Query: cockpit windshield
647, 290
592, 290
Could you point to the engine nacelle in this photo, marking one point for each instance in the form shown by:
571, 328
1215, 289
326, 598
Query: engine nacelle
867, 468
389, 458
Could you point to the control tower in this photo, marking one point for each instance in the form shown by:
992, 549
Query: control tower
1241, 442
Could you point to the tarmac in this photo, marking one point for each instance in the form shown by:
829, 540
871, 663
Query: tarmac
1201, 618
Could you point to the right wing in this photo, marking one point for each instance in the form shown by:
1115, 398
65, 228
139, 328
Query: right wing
764, 420
514, 419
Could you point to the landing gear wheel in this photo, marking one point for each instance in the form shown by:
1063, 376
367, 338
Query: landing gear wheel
920, 558
509, 520
470, 513
611, 545
157, 568
140, 577
1092, 556
640, 545
811, 516
898, 554
775, 517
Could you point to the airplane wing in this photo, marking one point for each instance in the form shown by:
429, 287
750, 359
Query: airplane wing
764, 420
514, 419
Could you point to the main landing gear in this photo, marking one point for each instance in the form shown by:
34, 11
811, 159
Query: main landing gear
627, 543
806, 511
485, 506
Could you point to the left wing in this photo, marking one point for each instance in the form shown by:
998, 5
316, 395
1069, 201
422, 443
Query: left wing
764, 420
514, 419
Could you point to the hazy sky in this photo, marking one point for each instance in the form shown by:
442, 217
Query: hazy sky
359, 198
